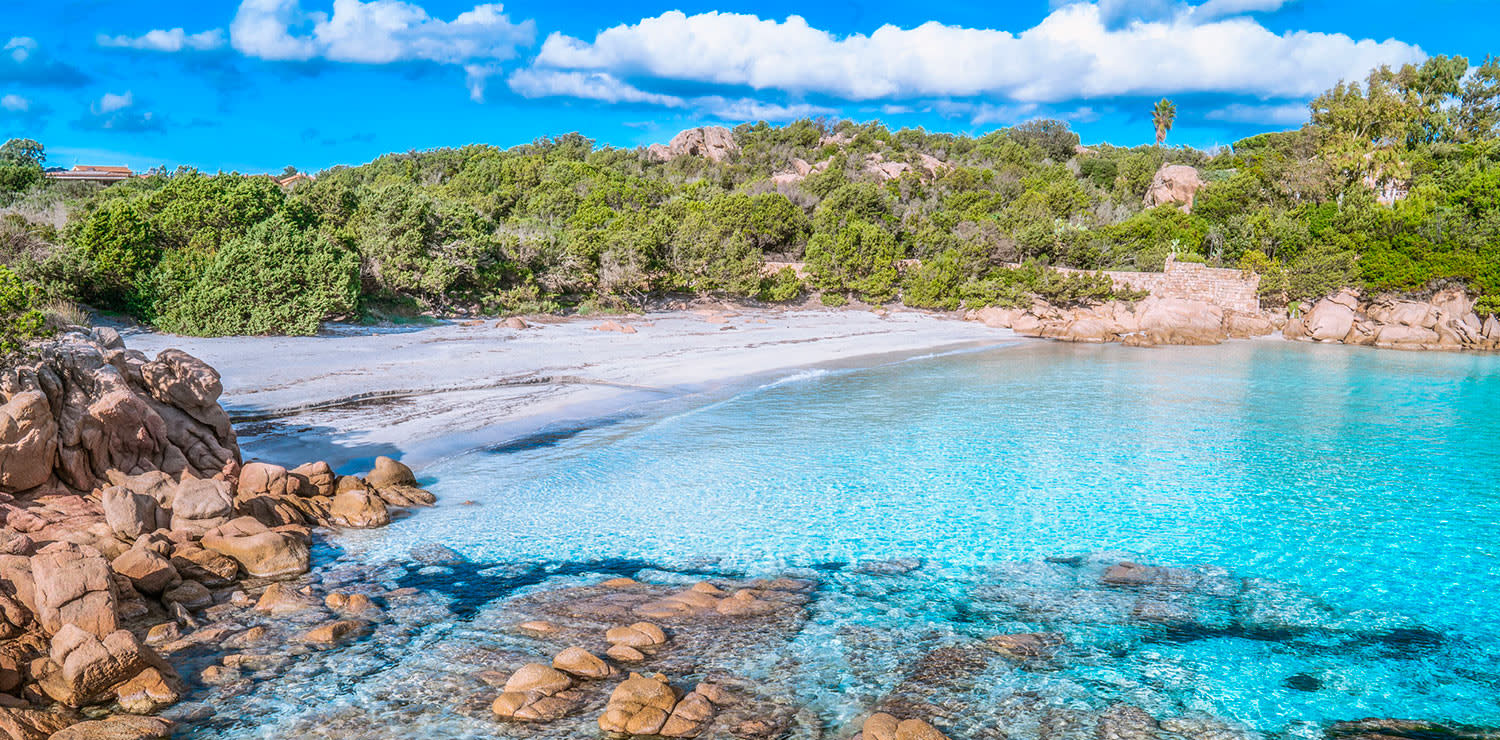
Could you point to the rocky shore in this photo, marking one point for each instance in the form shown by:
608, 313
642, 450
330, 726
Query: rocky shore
130, 526
1446, 321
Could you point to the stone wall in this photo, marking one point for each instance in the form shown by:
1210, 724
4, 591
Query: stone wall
1223, 287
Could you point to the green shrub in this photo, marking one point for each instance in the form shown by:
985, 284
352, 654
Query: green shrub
20, 321
860, 259
781, 286
119, 243
277, 279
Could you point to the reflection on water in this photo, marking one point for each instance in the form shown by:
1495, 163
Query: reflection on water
1335, 510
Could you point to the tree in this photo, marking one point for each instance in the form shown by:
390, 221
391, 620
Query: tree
20, 165
1162, 116
1479, 102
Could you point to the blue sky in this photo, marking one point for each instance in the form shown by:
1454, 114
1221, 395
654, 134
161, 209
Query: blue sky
255, 85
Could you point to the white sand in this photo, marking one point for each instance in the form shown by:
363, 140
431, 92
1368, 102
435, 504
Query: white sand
420, 393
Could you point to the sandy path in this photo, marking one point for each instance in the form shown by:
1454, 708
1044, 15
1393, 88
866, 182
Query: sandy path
421, 393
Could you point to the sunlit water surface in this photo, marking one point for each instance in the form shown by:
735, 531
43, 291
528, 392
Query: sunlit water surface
1362, 484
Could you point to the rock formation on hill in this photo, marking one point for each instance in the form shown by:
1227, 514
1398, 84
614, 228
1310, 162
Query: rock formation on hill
714, 142
1447, 321
126, 518
1174, 183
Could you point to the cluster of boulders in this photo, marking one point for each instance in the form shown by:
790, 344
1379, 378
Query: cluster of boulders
1149, 322
1447, 321
86, 405
707, 621
715, 143
875, 166
125, 515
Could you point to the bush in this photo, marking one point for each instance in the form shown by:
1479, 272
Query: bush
277, 279
781, 286
859, 259
120, 246
20, 321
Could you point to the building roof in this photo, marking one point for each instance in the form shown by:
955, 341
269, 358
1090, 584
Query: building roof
94, 173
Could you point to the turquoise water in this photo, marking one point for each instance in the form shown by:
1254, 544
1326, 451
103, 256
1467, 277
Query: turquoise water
1348, 497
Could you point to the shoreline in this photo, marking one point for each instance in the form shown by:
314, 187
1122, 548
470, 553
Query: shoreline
420, 395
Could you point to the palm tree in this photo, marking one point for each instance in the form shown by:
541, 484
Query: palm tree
1162, 117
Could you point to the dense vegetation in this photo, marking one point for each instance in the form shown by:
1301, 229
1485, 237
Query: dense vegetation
562, 225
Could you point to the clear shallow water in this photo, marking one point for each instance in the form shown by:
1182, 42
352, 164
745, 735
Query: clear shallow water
1353, 493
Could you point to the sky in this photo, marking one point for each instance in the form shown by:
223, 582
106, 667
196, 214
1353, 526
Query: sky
258, 85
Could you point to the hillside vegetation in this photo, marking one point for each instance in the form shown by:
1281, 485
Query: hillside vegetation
561, 224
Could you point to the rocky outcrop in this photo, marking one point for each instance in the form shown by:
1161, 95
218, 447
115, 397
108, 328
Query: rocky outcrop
124, 512
1446, 321
1174, 183
1149, 322
86, 406
715, 143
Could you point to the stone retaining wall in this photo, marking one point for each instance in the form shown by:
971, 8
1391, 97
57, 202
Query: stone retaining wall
1223, 287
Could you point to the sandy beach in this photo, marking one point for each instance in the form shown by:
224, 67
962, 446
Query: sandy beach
421, 393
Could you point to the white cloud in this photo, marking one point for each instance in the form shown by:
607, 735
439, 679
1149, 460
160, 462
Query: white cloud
374, 32
746, 109
15, 103
1072, 54
606, 88
112, 102
1281, 114
601, 86
1222, 8
20, 48
172, 40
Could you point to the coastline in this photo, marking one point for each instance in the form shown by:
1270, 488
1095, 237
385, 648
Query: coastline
421, 394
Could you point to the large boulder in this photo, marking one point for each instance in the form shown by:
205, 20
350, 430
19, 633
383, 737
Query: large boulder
28, 442
200, 505
1174, 183
265, 479
359, 508
260, 551
118, 727
1331, 318
33, 724
132, 514
713, 142
149, 572
317, 478
1180, 321
638, 706
88, 668
74, 586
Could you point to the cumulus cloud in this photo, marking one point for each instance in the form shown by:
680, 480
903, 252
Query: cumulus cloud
601, 86
118, 112
171, 40
1072, 54
1282, 114
606, 88
374, 32
15, 103
20, 48
1221, 8
112, 102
